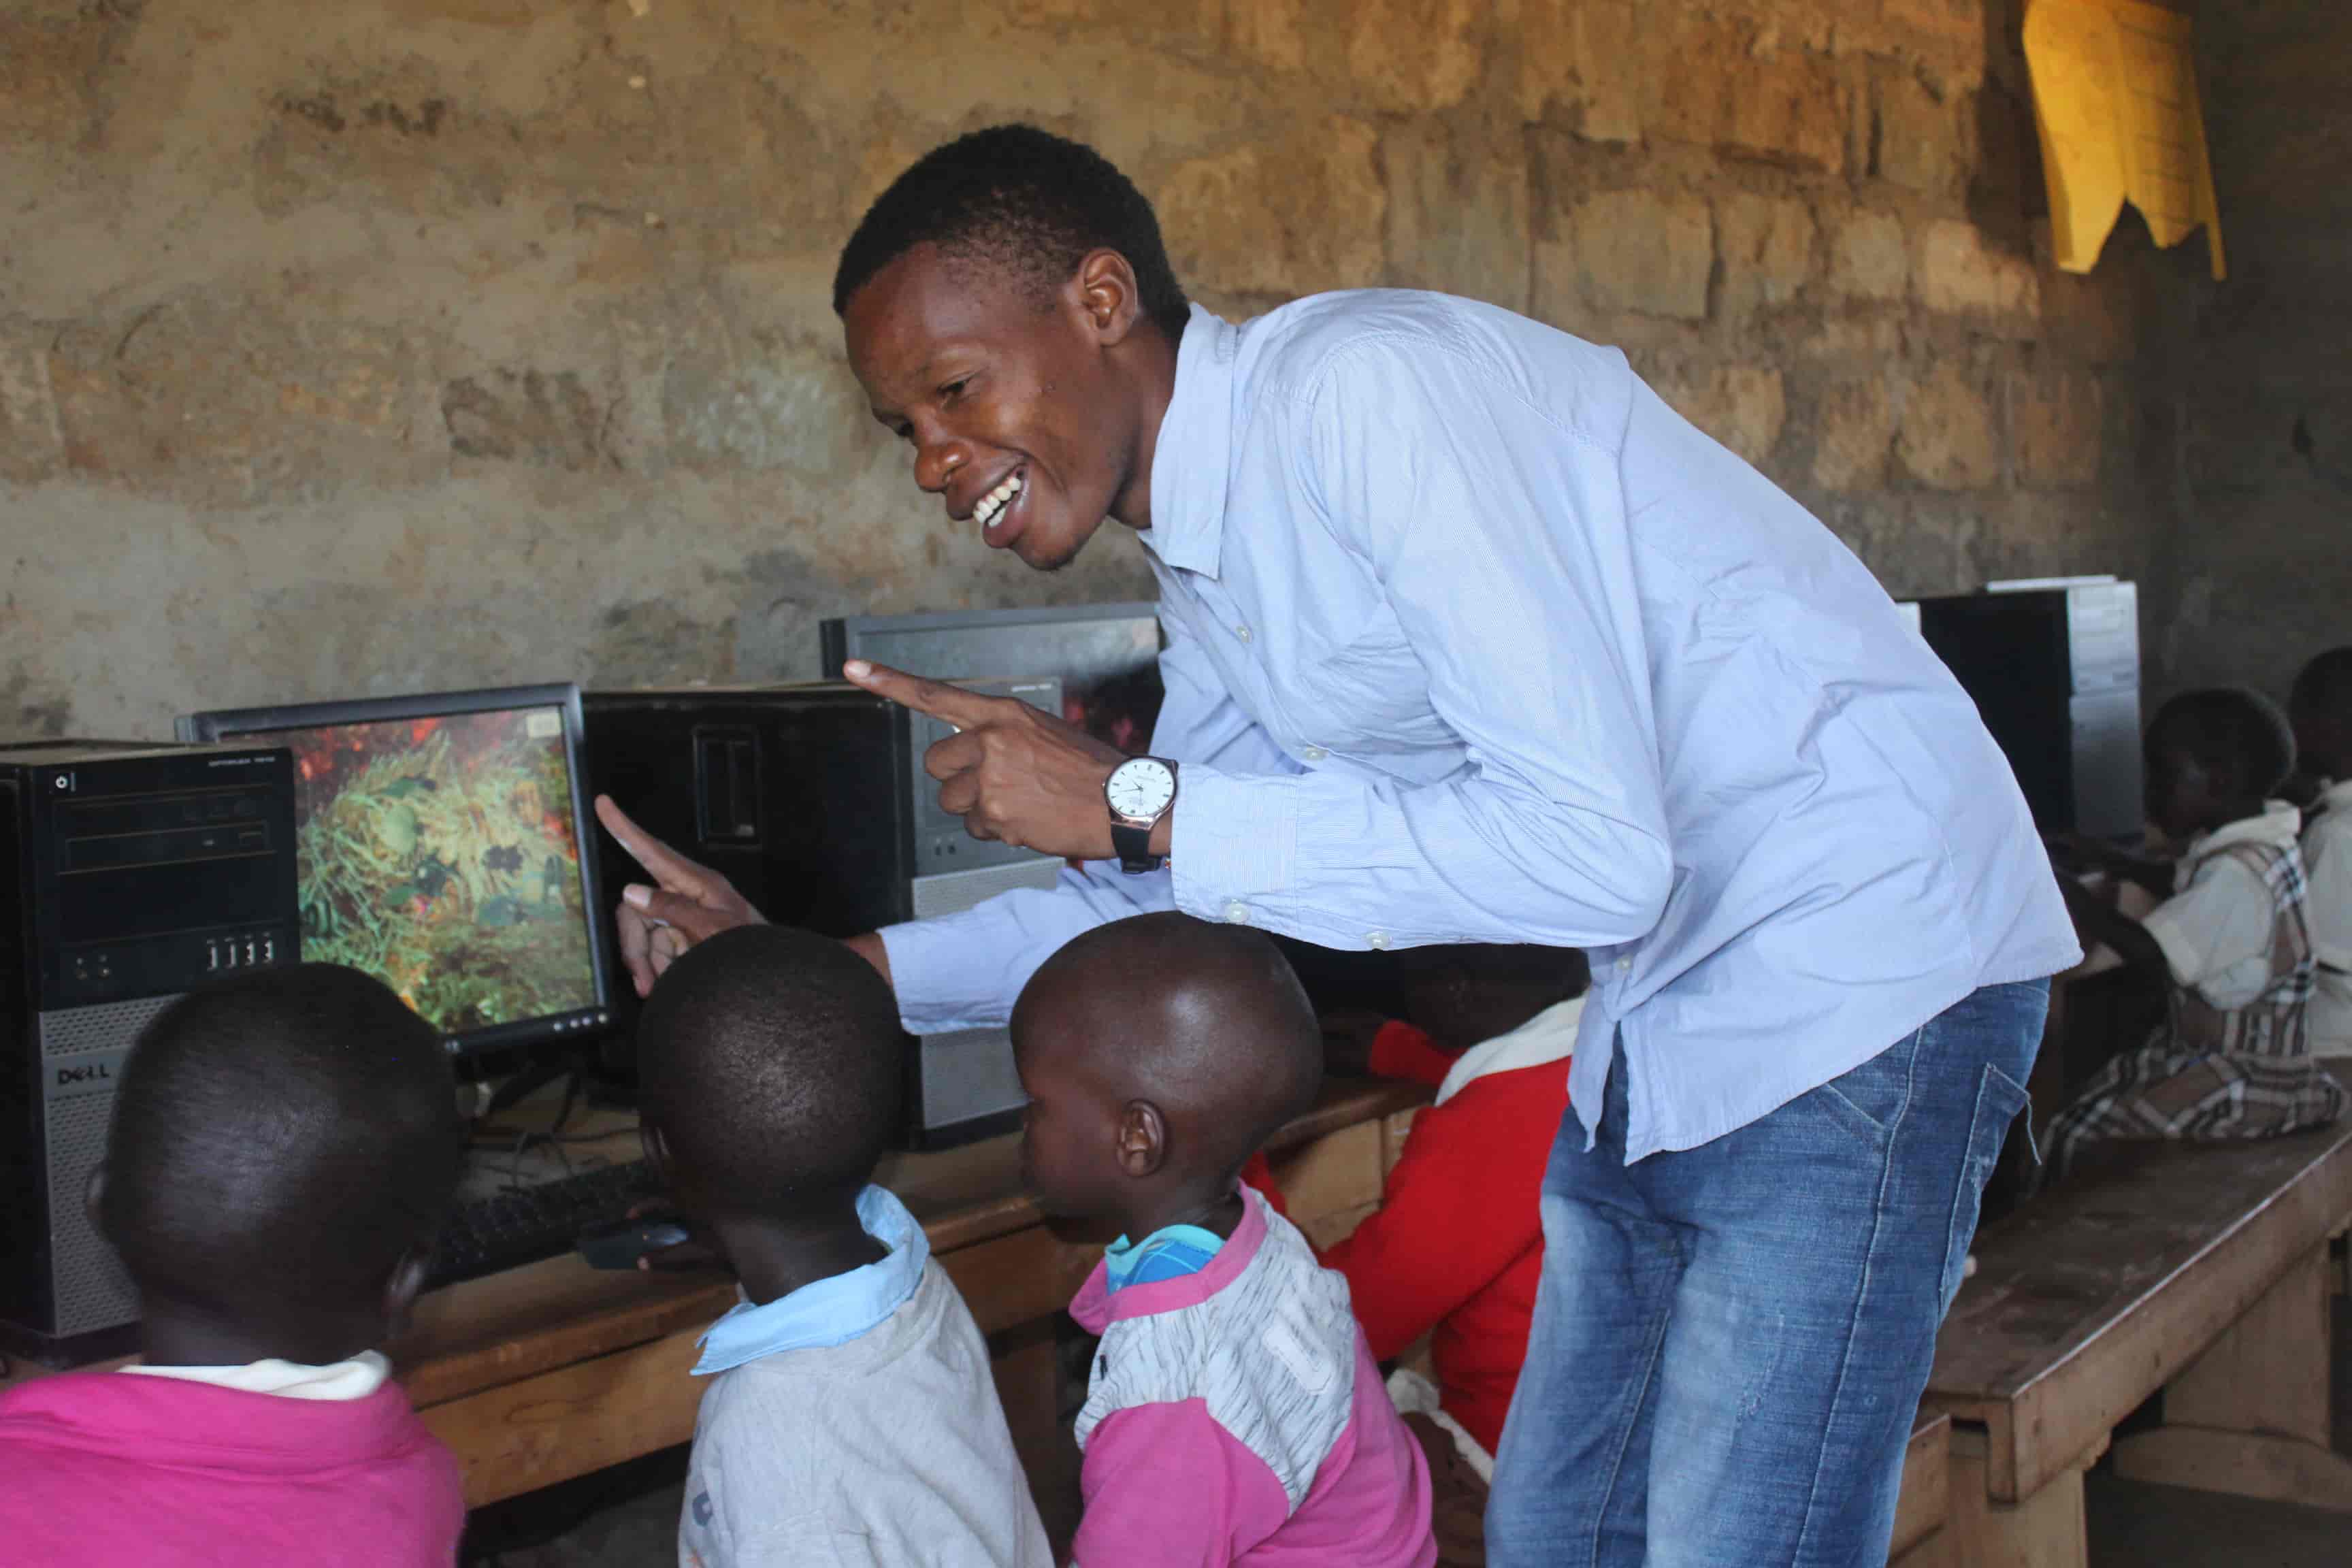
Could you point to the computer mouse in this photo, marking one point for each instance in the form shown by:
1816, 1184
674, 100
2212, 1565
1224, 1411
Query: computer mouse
619, 1243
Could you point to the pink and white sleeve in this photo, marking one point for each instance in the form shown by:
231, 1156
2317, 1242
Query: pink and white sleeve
1167, 1487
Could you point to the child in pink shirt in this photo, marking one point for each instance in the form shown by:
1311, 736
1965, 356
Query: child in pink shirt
1234, 1414
284, 1149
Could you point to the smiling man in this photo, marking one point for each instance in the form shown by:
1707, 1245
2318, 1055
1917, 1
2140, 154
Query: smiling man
1471, 639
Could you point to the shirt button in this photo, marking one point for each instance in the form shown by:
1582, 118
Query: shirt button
1243, 633
1237, 912
1378, 942
1624, 965
1312, 753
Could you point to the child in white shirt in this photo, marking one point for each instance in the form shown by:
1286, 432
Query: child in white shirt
851, 1419
2231, 944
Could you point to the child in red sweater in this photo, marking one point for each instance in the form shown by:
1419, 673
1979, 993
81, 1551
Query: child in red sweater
1456, 1247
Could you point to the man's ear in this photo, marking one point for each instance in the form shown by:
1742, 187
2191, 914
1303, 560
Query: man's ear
1142, 1138
1107, 296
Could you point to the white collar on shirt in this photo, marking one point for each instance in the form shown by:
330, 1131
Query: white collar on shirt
2335, 798
353, 1379
1545, 1037
2277, 827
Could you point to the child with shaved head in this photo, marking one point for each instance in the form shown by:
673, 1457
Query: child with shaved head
1235, 1415
284, 1149
851, 1417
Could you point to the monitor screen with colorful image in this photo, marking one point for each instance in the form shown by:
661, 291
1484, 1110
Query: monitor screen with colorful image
440, 850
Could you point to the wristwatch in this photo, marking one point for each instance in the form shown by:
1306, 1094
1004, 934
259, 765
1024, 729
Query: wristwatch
1139, 792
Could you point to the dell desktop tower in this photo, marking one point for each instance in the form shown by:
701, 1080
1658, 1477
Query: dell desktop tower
128, 874
812, 801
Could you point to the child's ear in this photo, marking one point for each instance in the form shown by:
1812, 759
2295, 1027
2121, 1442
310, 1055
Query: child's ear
401, 1286
1142, 1138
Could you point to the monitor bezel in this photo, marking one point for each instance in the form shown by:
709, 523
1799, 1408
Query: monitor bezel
564, 696
840, 634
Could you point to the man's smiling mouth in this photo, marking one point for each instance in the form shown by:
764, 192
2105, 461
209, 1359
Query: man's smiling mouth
991, 506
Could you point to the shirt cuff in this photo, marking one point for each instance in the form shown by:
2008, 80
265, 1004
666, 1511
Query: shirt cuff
1235, 837
937, 988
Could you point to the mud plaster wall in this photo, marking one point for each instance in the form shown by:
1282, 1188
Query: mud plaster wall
395, 344
2250, 398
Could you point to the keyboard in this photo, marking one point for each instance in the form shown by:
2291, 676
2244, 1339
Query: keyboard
524, 1225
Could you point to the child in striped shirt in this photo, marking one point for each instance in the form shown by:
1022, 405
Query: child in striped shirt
1234, 1414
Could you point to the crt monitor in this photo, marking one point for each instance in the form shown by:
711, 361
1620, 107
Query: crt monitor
442, 845
1106, 657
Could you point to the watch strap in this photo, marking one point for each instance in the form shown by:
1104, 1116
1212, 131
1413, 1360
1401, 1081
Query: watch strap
1132, 845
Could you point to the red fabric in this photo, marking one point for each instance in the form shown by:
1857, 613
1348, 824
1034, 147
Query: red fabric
1455, 1249
110, 1470
1402, 1051
1257, 1171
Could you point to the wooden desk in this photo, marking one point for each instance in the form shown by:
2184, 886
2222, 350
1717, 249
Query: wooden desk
558, 1370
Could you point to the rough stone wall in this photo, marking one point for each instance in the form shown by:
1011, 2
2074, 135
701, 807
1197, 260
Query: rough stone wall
393, 345
2249, 412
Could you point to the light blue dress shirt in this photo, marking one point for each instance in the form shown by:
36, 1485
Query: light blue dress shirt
834, 1310
1472, 638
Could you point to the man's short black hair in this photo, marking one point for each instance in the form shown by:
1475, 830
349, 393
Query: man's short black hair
769, 1060
2324, 686
2229, 731
1022, 200
279, 1140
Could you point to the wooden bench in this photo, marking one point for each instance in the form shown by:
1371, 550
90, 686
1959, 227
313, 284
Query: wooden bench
2199, 1270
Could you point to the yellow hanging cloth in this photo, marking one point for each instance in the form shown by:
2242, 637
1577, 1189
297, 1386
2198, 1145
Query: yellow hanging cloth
2114, 100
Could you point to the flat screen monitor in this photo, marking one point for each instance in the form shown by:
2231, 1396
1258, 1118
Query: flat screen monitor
441, 846
1106, 657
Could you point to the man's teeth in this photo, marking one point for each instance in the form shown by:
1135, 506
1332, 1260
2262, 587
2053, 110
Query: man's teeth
996, 500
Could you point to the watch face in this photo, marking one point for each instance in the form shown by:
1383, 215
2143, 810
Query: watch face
1142, 788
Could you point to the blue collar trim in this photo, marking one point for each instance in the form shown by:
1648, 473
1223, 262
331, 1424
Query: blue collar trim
1169, 1253
832, 1311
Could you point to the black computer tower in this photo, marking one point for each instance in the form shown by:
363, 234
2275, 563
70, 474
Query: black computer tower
2056, 675
812, 801
128, 874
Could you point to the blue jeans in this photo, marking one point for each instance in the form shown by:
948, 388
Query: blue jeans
1731, 1341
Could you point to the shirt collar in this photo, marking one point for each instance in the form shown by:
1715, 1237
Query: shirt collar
2277, 827
1545, 1037
1191, 460
834, 1310
343, 1379
1096, 1306
2337, 796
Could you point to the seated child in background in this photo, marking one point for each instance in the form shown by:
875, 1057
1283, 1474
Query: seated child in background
1455, 1249
850, 1418
2321, 708
285, 1148
2230, 942
1234, 1414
